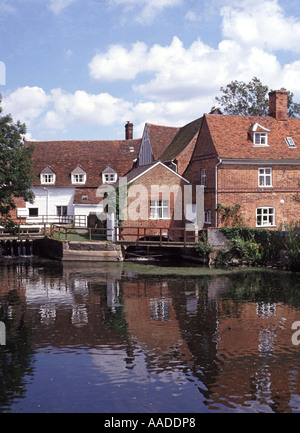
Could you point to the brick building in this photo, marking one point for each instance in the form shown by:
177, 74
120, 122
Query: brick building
155, 200
252, 161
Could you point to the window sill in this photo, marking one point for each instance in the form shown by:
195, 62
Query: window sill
264, 226
261, 145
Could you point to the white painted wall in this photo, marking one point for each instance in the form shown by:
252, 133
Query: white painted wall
46, 200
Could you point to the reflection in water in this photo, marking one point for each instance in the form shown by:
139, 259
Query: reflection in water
112, 338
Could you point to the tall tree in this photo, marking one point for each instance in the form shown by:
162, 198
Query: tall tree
15, 166
251, 99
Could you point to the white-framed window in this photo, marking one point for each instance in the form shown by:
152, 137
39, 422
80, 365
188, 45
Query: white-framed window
290, 142
78, 178
159, 209
265, 177
109, 177
203, 176
265, 217
260, 138
207, 217
48, 178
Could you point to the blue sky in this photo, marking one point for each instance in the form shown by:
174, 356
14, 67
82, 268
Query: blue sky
79, 69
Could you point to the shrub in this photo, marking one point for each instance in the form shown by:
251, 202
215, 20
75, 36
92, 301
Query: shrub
292, 244
203, 247
258, 246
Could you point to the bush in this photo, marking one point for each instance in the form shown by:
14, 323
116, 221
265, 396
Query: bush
203, 247
292, 245
256, 246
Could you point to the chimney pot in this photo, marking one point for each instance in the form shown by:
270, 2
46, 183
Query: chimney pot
278, 104
129, 131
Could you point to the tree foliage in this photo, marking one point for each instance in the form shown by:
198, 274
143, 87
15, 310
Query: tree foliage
251, 99
15, 166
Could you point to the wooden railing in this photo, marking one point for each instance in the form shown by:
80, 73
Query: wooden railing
127, 235
80, 234
177, 236
76, 220
25, 231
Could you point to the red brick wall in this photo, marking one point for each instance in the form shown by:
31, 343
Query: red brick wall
19, 203
239, 184
159, 175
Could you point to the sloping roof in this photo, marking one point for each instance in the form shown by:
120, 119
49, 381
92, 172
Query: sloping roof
231, 138
92, 156
160, 137
86, 196
181, 140
78, 170
47, 170
143, 169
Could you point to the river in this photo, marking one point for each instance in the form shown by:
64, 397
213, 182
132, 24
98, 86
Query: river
144, 338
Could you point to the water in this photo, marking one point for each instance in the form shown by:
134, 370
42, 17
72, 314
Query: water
127, 338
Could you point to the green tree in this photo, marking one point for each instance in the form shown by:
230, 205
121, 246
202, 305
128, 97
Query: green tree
15, 166
251, 99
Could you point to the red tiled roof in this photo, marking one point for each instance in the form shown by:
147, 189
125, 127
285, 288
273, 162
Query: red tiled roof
160, 137
230, 135
93, 157
182, 139
86, 196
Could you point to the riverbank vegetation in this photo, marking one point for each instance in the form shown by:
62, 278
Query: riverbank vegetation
260, 247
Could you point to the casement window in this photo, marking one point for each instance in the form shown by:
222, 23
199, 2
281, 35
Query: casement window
203, 176
78, 178
260, 139
259, 135
207, 217
48, 176
265, 217
109, 177
265, 177
159, 209
48, 179
62, 210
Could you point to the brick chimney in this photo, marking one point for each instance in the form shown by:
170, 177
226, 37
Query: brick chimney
278, 104
129, 131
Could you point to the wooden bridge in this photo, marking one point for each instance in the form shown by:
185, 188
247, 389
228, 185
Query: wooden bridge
126, 236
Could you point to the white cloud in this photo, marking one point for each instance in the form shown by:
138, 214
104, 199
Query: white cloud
100, 109
261, 24
172, 84
180, 73
26, 103
58, 5
144, 10
118, 62
59, 110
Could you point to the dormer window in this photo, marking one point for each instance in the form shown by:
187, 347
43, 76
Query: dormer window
47, 176
109, 175
78, 176
260, 135
260, 139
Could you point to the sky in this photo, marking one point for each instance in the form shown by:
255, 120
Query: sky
80, 69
